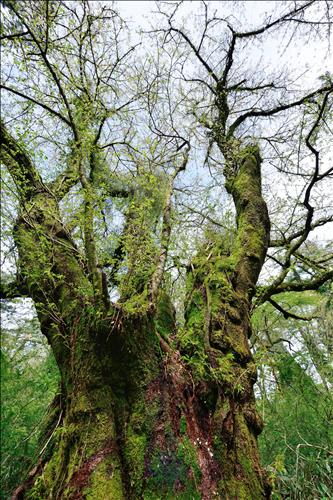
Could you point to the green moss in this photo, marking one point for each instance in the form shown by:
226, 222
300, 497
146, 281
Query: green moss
191, 341
182, 425
135, 459
105, 482
243, 458
187, 454
235, 489
225, 371
189, 492
139, 430
165, 315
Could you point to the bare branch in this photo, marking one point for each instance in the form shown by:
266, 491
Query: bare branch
288, 314
286, 240
276, 110
38, 103
14, 35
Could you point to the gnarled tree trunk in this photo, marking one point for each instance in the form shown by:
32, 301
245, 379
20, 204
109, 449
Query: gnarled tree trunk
146, 410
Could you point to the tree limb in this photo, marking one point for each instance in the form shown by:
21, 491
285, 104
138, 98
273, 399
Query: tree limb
265, 293
24, 173
287, 240
38, 103
166, 232
288, 314
277, 109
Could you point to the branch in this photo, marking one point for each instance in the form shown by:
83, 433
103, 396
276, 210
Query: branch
14, 35
62, 184
278, 285
265, 293
21, 168
277, 109
65, 181
288, 314
42, 53
196, 52
287, 240
312, 284
42, 105
285, 17
314, 179
253, 224
166, 232
229, 59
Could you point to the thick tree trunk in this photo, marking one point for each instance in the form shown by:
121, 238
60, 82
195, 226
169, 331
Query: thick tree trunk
133, 423
147, 411
136, 424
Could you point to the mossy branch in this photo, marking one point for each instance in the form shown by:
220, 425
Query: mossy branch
253, 223
21, 167
289, 314
157, 277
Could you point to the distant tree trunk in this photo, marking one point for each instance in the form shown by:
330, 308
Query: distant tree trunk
146, 410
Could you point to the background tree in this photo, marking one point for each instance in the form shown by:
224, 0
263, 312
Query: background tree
295, 398
152, 403
29, 380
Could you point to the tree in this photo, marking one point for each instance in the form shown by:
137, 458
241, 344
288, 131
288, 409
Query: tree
295, 395
152, 404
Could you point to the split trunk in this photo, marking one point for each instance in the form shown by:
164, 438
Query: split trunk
148, 409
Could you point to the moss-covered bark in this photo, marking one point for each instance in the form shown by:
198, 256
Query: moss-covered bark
215, 338
146, 411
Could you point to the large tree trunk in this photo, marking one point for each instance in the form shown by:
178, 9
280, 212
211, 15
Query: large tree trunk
134, 423
146, 410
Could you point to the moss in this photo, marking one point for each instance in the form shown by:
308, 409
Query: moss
105, 483
135, 459
211, 305
246, 483
182, 425
225, 371
139, 429
187, 454
78, 442
191, 342
188, 492
235, 490
165, 315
